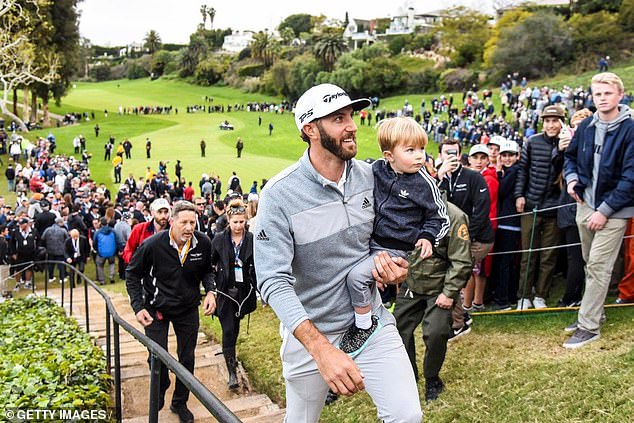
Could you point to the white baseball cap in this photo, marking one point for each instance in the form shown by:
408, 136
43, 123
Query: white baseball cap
509, 146
497, 140
322, 100
479, 148
160, 203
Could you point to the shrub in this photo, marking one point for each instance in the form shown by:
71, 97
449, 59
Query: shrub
457, 79
47, 361
100, 72
251, 70
424, 81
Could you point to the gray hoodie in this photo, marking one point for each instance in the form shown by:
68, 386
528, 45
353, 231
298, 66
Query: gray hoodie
308, 236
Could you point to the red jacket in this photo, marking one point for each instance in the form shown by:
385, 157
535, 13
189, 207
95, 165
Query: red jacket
139, 233
491, 178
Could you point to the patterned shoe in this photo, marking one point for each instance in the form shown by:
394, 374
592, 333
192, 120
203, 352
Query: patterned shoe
355, 339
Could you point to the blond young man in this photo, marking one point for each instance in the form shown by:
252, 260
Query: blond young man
599, 171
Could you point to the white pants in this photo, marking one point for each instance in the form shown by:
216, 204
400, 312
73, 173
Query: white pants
388, 378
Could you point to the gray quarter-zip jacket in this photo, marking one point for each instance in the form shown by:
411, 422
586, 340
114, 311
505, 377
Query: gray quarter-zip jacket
308, 236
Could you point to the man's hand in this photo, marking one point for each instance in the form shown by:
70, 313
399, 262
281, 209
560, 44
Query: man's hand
444, 302
597, 221
572, 192
69, 260
209, 303
144, 318
426, 249
448, 166
339, 371
520, 202
389, 270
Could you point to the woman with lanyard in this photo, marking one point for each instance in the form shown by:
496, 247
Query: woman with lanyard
232, 258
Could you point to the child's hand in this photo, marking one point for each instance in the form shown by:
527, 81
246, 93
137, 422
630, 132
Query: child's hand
425, 248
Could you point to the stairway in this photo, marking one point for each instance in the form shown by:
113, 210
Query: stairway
210, 367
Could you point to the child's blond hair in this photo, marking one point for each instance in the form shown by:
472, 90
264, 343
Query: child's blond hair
399, 130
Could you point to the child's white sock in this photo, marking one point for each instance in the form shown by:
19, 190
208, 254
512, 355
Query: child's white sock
363, 321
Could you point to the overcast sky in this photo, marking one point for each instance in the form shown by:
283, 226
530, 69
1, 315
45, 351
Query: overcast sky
119, 22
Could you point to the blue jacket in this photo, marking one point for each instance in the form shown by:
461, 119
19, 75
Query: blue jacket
615, 181
408, 207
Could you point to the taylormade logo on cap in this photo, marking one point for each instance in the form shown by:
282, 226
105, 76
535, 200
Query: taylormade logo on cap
322, 100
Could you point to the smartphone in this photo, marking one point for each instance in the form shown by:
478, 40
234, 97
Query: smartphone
452, 152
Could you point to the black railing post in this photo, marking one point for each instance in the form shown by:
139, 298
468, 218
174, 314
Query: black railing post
70, 290
117, 374
62, 286
45, 279
108, 352
86, 303
155, 387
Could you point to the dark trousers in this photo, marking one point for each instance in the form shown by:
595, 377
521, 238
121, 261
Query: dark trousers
186, 330
229, 322
60, 267
79, 266
411, 309
575, 276
122, 267
506, 266
546, 234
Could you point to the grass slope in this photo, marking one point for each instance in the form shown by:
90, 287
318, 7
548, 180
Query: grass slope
512, 368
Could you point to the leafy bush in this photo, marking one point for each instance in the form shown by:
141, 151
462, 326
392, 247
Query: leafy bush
423, 81
136, 71
100, 73
47, 361
453, 80
251, 70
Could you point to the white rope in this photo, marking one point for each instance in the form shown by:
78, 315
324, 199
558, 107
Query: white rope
534, 211
543, 248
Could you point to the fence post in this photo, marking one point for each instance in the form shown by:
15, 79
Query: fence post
70, 289
155, 387
86, 304
45, 279
528, 259
117, 374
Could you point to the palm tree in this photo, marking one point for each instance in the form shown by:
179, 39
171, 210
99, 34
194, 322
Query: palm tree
152, 41
212, 14
328, 48
264, 48
203, 11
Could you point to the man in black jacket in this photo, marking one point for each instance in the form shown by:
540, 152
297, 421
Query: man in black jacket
163, 280
23, 250
537, 187
76, 253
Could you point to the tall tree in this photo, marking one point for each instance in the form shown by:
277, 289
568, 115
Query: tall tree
63, 40
264, 48
328, 47
152, 41
212, 14
298, 23
20, 63
203, 11
463, 33
516, 50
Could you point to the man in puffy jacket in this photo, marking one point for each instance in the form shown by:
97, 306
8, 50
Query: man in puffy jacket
105, 245
54, 239
600, 177
537, 187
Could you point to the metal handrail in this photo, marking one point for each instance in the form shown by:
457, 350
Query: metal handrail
157, 354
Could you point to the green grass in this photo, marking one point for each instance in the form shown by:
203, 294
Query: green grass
511, 368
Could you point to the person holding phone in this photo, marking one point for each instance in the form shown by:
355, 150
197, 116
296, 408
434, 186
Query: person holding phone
468, 190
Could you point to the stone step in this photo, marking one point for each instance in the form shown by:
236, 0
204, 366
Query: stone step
246, 408
139, 358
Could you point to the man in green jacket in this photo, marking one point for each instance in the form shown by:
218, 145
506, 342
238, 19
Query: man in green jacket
428, 295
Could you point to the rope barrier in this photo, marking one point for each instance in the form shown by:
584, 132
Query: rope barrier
534, 211
499, 253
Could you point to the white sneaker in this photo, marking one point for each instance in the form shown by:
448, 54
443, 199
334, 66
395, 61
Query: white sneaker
539, 302
524, 304
51, 280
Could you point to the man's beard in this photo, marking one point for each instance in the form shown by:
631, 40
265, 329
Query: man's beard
331, 144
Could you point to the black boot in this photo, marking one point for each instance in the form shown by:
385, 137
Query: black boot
232, 364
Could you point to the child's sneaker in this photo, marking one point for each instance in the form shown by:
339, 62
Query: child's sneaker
355, 339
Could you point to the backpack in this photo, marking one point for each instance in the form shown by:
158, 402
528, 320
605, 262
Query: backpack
106, 244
